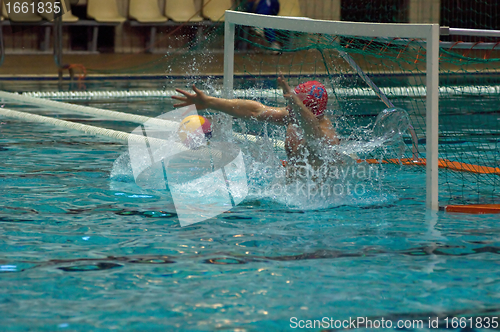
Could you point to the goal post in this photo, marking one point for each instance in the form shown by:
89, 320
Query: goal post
428, 33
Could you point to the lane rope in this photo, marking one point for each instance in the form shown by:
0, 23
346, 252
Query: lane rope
417, 91
98, 131
171, 125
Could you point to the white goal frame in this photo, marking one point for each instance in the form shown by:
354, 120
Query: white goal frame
428, 32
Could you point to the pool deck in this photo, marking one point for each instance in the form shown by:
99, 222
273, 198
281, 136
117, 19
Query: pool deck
134, 65
187, 63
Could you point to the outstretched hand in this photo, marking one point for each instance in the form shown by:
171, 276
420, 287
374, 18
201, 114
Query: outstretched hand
198, 98
287, 91
291, 97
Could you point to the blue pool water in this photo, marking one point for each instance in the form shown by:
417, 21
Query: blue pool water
83, 251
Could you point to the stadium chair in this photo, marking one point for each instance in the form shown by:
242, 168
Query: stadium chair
182, 11
2, 44
28, 17
4, 12
104, 11
67, 16
145, 11
290, 8
214, 10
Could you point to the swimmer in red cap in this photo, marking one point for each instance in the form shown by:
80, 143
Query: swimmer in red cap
308, 128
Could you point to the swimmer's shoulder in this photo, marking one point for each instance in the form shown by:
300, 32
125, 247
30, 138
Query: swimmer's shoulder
328, 130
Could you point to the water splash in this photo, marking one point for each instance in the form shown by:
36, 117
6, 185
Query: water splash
345, 181
342, 180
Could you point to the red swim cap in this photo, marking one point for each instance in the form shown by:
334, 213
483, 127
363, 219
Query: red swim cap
313, 95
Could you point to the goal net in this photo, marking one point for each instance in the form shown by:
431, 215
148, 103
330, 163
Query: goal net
449, 90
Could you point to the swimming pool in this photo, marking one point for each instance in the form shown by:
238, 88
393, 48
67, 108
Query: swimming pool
82, 250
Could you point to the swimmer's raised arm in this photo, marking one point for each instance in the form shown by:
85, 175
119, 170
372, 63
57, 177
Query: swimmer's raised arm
306, 119
240, 108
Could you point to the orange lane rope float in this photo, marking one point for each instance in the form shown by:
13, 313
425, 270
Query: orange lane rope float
442, 163
473, 209
455, 166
